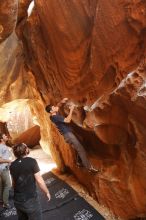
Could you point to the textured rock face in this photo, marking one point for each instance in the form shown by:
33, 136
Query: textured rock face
94, 53
8, 17
31, 137
96, 41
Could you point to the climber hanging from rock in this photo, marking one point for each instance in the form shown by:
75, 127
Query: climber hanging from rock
63, 127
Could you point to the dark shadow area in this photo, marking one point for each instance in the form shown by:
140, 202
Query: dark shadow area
94, 146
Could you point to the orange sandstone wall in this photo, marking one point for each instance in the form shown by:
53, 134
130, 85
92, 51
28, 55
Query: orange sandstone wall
92, 52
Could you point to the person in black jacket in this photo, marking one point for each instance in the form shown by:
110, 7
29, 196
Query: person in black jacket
25, 173
62, 123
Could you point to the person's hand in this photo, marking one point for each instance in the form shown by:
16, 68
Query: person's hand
72, 106
48, 196
64, 100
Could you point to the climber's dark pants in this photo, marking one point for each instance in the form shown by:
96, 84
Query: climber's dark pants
73, 141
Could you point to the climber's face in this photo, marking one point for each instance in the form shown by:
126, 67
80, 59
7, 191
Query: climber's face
54, 109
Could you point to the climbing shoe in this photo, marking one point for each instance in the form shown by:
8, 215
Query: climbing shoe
94, 170
6, 206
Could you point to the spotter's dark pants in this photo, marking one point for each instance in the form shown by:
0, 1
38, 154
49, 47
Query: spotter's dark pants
28, 210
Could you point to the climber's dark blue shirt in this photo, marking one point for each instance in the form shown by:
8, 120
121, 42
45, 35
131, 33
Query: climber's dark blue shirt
58, 120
